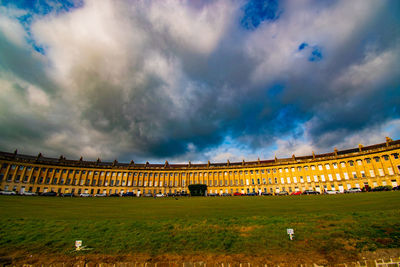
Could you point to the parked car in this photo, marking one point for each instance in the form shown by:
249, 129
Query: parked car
212, 194
396, 187
49, 194
85, 195
128, 194
226, 195
311, 192
184, 194
148, 195
28, 193
114, 195
382, 188
7, 192
100, 195
238, 194
160, 195
266, 194
283, 193
331, 192
67, 195
353, 190
296, 193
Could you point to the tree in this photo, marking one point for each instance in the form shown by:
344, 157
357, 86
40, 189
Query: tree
198, 189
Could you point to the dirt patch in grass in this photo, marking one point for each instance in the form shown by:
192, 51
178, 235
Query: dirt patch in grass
274, 257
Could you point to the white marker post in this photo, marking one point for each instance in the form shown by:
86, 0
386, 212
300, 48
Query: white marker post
78, 244
290, 232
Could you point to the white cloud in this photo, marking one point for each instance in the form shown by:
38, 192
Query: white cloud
170, 80
12, 29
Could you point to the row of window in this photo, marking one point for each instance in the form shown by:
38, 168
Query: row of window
205, 174
175, 182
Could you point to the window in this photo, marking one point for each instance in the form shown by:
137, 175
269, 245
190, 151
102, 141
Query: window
372, 173
351, 163
327, 167
282, 181
346, 176
385, 157
368, 160
362, 174
359, 162
301, 179
294, 179
299, 168
315, 178
330, 177
342, 164
308, 179
288, 180
354, 175
335, 165
322, 178
381, 173
312, 167
320, 167
396, 156
390, 170
338, 177
376, 159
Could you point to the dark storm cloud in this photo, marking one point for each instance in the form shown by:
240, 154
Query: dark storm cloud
166, 80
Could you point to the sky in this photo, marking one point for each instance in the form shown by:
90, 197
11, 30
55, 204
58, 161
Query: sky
197, 80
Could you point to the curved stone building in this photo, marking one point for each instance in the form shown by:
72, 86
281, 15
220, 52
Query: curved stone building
370, 166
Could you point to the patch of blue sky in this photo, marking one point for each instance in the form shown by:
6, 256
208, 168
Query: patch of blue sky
257, 11
314, 51
302, 46
316, 54
43, 7
39, 8
275, 90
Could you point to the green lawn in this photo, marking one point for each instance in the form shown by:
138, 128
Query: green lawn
325, 225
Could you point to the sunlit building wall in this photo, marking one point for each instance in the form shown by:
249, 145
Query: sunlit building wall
371, 166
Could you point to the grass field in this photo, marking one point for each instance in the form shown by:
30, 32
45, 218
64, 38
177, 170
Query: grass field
325, 226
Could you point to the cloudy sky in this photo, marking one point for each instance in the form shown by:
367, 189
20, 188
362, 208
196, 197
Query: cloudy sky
197, 80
